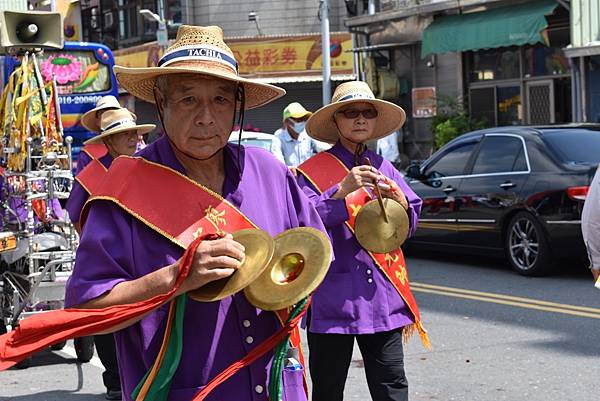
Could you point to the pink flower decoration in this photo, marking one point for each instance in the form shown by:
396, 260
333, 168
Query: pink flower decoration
65, 67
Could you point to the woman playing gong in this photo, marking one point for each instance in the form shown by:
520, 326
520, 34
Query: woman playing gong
365, 295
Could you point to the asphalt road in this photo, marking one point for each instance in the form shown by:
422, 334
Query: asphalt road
495, 336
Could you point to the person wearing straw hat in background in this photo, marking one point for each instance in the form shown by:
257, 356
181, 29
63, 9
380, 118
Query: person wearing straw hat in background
291, 144
357, 300
91, 121
119, 134
130, 252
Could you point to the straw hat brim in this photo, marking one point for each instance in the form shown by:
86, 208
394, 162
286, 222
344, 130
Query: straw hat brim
141, 129
140, 83
89, 120
321, 125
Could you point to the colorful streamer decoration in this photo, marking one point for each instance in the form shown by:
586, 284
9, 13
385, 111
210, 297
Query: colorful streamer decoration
29, 109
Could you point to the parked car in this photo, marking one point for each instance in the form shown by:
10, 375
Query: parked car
259, 139
517, 191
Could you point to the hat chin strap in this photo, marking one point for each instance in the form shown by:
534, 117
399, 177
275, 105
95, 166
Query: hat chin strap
360, 146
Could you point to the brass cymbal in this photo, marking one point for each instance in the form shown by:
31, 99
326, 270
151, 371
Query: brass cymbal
300, 262
259, 251
377, 235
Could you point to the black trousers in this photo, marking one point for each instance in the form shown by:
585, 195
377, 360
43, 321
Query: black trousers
383, 356
105, 346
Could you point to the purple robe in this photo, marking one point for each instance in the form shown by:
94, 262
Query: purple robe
116, 247
79, 195
356, 297
83, 159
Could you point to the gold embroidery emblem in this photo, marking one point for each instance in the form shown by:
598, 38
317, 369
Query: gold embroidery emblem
215, 217
401, 275
355, 209
391, 259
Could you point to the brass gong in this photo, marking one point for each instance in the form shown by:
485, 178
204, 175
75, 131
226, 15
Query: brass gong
259, 251
381, 227
300, 262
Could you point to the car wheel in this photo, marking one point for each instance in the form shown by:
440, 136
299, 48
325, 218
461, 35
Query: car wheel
527, 247
84, 348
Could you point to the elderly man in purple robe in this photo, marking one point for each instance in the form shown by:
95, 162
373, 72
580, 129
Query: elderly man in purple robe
122, 259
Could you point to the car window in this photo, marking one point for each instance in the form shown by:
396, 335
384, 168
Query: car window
520, 161
575, 146
497, 155
452, 162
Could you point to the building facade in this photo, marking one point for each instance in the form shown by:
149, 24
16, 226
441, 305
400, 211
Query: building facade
584, 53
503, 60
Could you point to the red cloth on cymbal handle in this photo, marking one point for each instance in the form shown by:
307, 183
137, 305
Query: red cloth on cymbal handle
40, 331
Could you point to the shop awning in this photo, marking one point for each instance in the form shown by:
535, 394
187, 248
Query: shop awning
504, 26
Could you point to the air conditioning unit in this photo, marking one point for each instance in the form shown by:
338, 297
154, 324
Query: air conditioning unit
108, 20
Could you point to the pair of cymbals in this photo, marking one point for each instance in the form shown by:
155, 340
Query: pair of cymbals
275, 272
259, 247
381, 225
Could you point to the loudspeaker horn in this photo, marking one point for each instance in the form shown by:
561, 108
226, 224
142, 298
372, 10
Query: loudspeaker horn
31, 30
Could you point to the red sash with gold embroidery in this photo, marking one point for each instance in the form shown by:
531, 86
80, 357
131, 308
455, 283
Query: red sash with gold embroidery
91, 176
325, 170
95, 150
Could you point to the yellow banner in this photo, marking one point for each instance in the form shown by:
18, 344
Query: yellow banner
292, 54
265, 56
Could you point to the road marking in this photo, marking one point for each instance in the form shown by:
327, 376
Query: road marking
70, 352
528, 303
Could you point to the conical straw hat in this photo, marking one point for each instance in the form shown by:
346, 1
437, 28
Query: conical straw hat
321, 124
116, 121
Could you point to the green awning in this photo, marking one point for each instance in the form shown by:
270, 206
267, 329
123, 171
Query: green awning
504, 26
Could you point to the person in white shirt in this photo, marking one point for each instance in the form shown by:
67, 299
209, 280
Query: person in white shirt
387, 147
291, 144
590, 224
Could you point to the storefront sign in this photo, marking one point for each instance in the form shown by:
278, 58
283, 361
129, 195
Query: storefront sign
292, 54
265, 56
424, 102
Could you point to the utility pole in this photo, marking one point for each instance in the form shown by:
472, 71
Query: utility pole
162, 37
162, 33
325, 51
